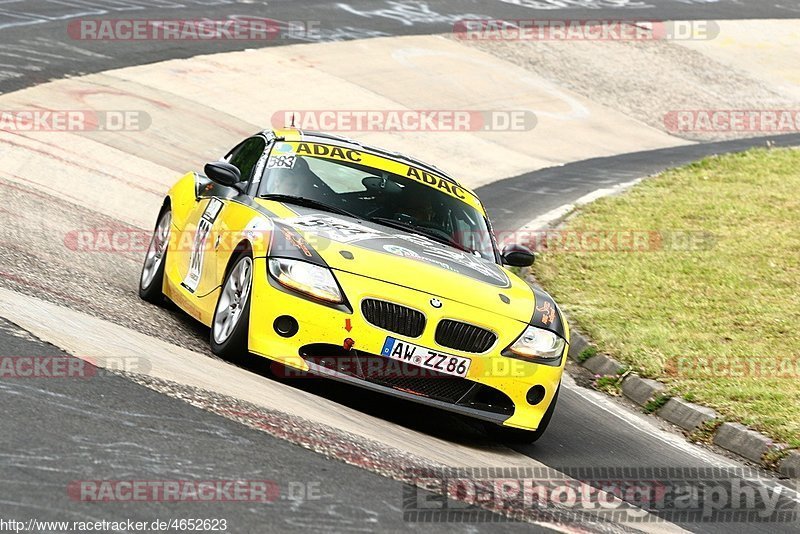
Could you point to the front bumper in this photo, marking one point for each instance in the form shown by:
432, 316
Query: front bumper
494, 389
449, 393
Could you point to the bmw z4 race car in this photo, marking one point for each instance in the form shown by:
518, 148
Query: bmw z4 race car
339, 259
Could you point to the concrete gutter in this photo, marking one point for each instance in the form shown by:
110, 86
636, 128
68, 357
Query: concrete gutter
653, 397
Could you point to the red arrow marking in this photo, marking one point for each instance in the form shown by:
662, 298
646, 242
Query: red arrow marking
347, 325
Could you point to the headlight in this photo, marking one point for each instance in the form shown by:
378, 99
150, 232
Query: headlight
307, 278
538, 345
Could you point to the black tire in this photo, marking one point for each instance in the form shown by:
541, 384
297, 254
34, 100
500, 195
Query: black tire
151, 283
234, 346
517, 435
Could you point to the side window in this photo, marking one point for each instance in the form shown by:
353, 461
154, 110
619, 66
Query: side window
245, 156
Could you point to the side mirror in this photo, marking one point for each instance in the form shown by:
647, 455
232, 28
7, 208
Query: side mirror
517, 256
224, 173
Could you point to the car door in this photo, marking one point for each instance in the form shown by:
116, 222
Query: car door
206, 226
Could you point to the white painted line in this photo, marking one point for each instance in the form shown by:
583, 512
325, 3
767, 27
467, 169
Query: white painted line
640, 422
543, 221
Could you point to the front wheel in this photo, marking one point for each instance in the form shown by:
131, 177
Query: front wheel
231, 322
518, 435
151, 280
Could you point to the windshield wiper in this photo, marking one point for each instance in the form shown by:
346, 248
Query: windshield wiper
309, 203
421, 231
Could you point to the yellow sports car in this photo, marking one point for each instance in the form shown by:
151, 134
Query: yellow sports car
364, 265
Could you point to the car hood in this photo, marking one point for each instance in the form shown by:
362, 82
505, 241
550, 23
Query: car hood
410, 260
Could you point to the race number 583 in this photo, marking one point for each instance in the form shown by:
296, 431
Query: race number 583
281, 162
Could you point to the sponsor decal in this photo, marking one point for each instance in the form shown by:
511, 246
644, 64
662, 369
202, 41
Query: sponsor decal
257, 229
333, 228
288, 243
408, 253
329, 151
383, 163
297, 241
430, 250
548, 313
283, 148
435, 181
282, 156
281, 162
192, 279
401, 251
411, 246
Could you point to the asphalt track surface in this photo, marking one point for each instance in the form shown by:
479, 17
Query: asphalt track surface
37, 46
106, 427
582, 433
509, 201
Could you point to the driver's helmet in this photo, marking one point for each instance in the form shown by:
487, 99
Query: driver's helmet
419, 206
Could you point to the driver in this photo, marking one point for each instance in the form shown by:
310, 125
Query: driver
420, 208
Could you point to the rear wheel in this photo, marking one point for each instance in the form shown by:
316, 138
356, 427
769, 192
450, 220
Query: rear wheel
151, 280
518, 435
231, 322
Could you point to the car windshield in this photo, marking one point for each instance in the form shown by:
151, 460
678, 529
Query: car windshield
382, 197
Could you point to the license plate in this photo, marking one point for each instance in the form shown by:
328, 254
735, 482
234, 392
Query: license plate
424, 357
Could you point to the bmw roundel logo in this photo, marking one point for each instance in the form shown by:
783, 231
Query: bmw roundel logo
436, 303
